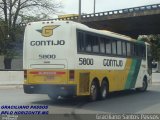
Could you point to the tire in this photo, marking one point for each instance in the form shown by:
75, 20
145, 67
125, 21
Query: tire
93, 92
53, 97
104, 90
144, 85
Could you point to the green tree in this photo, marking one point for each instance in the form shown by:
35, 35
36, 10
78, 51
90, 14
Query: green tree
12, 13
154, 40
29, 18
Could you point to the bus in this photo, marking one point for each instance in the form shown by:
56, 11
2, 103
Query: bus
155, 66
65, 58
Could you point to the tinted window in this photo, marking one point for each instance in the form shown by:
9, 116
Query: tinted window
81, 42
99, 44
88, 42
133, 53
108, 46
124, 48
95, 44
102, 45
119, 48
141, 51
128, 49
114, 48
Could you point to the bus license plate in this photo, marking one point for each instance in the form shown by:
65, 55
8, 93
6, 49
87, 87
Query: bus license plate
50, 77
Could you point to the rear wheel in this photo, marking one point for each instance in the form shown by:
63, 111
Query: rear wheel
93, 91
104, 90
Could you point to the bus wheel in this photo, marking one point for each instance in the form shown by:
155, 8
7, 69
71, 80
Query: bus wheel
144, 85
104, 90
93, 91
53, 97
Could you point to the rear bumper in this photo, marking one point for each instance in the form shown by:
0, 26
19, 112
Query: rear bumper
58, 90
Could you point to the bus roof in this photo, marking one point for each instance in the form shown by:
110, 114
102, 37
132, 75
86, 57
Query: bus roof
86, 28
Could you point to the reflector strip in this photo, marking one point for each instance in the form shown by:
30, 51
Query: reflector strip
47, 73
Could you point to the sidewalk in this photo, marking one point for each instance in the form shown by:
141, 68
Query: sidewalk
6, 86
155, 83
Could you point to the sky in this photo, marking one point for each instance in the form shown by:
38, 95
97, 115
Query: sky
71, 6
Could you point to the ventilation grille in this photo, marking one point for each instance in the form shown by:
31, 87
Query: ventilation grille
84, 83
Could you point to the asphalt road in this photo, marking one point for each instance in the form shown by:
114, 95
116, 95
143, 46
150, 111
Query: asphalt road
118, 102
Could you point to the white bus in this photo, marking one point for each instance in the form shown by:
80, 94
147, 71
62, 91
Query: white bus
65, 58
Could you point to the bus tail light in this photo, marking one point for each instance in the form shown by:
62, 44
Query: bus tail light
71, 75
25, 74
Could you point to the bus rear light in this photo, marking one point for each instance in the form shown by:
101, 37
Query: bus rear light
71, 75
25, 74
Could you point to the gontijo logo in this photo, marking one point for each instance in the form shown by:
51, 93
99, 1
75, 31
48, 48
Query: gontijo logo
47, 31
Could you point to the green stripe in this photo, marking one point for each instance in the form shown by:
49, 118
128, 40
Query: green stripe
133, 73
128, 81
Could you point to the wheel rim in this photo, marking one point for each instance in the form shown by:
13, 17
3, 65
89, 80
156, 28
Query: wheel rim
104, 92
93, 92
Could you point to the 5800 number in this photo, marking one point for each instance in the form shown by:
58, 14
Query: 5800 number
86, 61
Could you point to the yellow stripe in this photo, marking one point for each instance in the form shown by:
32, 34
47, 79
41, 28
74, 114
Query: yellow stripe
117, 78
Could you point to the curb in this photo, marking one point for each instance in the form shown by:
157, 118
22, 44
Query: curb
156, 83
15, 86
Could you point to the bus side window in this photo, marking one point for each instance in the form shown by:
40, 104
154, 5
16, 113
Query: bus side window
119, 47
114, 47
124, 48
141, 51
95, 44
133, 52
80, 41
128, 49
88, 42
108, 46
102, 45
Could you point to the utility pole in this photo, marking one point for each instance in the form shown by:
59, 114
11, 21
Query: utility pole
79, 11
94, 8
